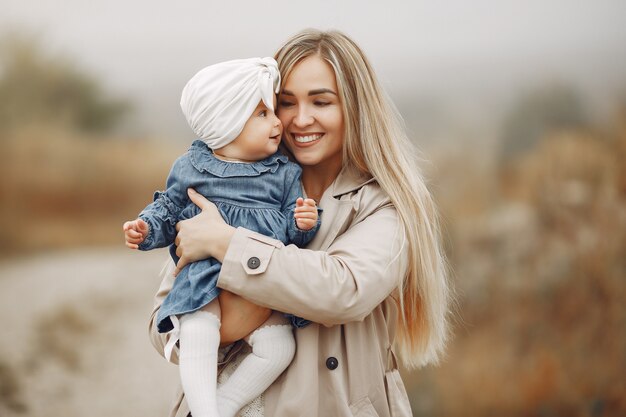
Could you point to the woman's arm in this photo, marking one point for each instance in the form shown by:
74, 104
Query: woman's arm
359, 269
345, 283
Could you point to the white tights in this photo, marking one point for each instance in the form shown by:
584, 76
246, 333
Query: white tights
273, 347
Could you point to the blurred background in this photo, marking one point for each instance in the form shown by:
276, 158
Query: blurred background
519, 109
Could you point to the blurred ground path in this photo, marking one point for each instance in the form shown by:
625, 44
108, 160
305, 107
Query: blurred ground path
74, 340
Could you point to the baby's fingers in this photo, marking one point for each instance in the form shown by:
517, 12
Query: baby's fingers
134, 239
142, 226
310, 202
305, 215
305, 209
305, 224
133, 234
299, 202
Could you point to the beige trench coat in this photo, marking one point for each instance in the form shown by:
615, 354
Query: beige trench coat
346, 281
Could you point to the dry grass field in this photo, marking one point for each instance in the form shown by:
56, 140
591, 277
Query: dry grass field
62, 189
538, 252
75, 341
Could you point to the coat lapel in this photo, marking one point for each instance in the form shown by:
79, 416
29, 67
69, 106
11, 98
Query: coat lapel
338, 207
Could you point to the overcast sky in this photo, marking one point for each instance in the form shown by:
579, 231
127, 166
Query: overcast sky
466, 56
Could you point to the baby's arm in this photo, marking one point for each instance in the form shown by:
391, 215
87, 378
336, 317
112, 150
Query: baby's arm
302, 214
306, 218
305, 213
164, 212
135, 232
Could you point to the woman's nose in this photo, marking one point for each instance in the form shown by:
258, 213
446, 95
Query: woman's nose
303, 118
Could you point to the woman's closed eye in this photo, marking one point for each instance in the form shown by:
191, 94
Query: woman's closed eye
284, 103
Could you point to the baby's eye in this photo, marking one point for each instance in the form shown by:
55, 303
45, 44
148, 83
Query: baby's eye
263, 113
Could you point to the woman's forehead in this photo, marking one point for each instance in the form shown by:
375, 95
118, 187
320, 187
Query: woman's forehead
312, 73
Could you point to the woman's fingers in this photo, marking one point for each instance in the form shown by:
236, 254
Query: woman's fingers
195, 237
198, 199
182, 259
209, 210
182, 262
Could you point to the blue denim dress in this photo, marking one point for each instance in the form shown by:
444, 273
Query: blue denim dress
259, 196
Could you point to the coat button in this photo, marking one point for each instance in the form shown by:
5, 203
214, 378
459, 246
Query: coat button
332, 363
254, 262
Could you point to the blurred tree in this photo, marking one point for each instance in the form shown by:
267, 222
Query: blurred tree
536, 115
40, 89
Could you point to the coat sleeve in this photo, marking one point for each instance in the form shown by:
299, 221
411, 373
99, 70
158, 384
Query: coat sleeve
345, 283
159, 340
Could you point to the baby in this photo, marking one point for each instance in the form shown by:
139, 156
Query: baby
236, 165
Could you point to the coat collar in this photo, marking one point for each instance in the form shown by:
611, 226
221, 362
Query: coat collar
338, 207
348, 180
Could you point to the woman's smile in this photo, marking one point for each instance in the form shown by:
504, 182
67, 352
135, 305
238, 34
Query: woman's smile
306, 139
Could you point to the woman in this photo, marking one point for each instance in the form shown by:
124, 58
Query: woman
373, 277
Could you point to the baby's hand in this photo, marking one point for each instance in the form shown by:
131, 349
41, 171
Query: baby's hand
135, 232
306, 213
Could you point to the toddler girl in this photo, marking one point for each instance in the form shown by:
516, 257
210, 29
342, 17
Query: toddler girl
236, 165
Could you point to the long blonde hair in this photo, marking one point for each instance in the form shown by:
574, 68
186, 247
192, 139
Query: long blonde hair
375, 143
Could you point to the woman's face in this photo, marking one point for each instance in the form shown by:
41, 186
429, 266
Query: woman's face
311, 114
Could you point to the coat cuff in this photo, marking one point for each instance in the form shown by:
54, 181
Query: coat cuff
249, 253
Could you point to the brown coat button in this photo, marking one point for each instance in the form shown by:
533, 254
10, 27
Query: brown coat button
254, 262
332, 363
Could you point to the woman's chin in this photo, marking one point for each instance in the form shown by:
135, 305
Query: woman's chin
306, 159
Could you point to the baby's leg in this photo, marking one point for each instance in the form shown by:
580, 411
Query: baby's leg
273, 347
199, 341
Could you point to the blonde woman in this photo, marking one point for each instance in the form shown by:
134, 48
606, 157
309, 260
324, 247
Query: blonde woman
373, 279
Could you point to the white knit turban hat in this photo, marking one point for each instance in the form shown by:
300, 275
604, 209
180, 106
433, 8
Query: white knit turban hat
218, 101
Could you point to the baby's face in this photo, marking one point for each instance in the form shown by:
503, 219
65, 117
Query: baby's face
259, 138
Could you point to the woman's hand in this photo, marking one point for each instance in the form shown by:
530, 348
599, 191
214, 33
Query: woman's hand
203, 236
